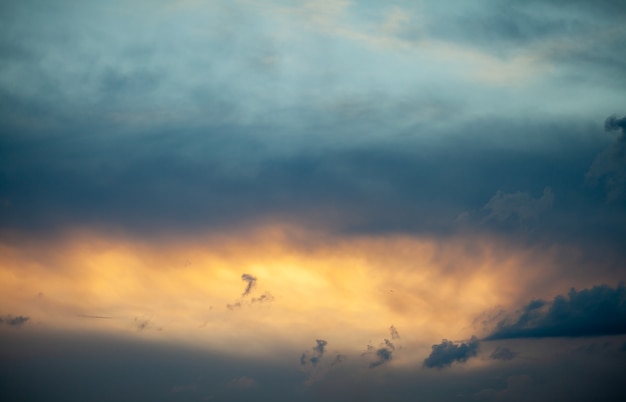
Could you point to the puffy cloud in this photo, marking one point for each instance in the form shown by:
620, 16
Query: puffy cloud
448, 352
598, 311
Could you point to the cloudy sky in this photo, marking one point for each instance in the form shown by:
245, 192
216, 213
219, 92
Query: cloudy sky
312, 200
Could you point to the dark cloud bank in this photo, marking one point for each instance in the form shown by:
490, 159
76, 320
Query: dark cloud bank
596, 312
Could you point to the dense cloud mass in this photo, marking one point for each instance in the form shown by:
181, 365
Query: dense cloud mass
598, 311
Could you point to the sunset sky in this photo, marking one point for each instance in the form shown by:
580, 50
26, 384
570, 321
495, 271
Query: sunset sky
284, 200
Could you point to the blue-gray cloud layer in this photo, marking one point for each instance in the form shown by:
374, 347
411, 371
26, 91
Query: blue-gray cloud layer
188, 117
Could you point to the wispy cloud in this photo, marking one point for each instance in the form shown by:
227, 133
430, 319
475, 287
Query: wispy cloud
251, 283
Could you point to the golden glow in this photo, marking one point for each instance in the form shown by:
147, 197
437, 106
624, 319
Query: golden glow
348, 291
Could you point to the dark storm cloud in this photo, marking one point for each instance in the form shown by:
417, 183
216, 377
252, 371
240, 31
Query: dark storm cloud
502, 353
14, 321
598, 311
448, 352
251, 283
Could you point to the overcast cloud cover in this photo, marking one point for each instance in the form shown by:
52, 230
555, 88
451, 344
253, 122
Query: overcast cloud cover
217, 186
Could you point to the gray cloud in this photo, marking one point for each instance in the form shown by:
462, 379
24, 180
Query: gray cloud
448, 352
598, 311
14, 321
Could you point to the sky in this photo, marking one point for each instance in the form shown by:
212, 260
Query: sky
312, 200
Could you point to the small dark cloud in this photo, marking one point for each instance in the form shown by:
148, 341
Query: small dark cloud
14, 321
448, 352
598, 311
502, 353
251, 282
316, 356
383, 355
389, 345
